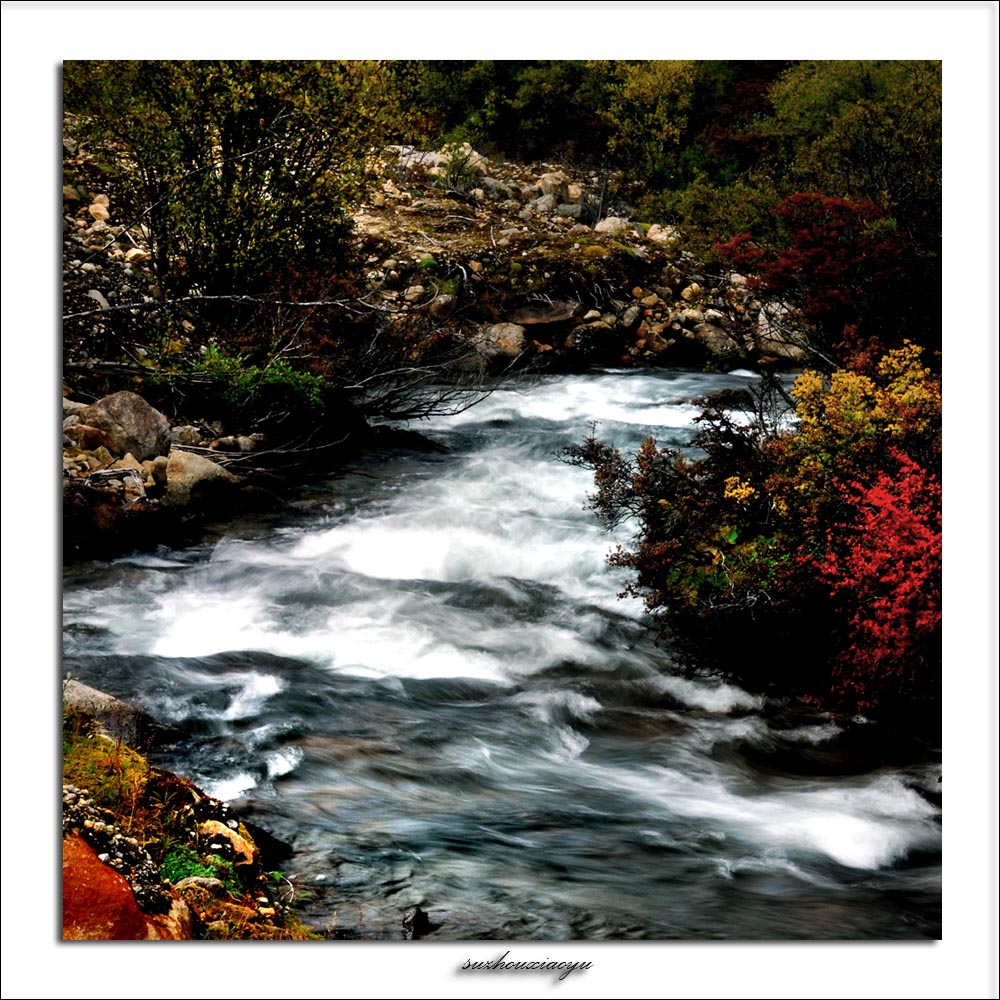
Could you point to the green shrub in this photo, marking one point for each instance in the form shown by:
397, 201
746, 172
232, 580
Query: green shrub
233, 165
182, 861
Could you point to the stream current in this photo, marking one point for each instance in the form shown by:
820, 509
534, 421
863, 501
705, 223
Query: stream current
420, 676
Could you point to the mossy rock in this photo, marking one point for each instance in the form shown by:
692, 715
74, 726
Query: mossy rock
115, 775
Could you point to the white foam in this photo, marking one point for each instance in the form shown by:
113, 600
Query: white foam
545, 704
864, 826
809, 734
255, 689
709, 695
233, 787
280, 762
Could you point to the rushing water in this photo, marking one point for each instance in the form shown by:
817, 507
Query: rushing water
423, 680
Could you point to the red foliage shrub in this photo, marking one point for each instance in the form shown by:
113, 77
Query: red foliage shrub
846, 267
884, 573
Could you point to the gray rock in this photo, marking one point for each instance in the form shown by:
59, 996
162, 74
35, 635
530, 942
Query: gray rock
441, 306
498, 189
776, 335
631, 316
591, 339
715, 340
690, 317
130, 424
119, 720
568, 211
193, 480
612, 224
555, 184
211, 885
500, 340
545, 205
662, 234
185, 434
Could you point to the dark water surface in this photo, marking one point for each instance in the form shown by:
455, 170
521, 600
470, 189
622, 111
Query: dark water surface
422, 679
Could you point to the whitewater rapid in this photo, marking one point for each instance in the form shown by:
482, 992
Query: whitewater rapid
422, 677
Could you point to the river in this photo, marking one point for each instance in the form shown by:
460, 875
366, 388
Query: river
421, 677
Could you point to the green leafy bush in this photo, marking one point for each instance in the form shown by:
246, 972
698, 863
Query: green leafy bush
232, 166
246, 386
182, 861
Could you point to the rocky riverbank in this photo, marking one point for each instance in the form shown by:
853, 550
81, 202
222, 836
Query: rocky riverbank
525, 265
148, 855
538, 268
521, 267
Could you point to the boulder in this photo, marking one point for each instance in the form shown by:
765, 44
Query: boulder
122, 722
595, 341
556, 184
196, 481
775, 336
99, 904
716, 341
612, 224
131, 425
500, 340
